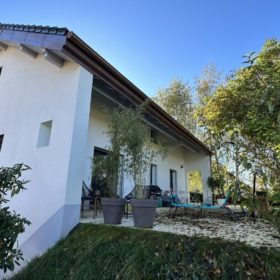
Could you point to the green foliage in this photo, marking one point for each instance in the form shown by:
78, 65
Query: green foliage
128, 135
195, 181
206, 84
12, 224
137, 151
249, 203
105, 170
274, 215
106, 252
176, 100
254, 90
217, 183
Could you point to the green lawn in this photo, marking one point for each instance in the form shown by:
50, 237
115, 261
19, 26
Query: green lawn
106, 252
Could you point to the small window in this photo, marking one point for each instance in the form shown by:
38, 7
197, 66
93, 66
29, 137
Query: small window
154, 136
153, 174
1, 67
44, 134
1, 141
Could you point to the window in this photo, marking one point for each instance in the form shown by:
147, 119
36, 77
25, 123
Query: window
153, 174
1, 67
1, 141
100, 152
44, 134
154, 136
173, 180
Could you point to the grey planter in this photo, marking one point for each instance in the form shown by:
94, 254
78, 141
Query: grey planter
144, 211
113, 210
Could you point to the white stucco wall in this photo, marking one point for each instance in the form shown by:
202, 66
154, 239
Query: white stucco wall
33, 91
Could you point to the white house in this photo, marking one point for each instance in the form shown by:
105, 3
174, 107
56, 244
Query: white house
53, 88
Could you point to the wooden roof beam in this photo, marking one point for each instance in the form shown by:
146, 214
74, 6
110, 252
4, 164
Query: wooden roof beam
3, 47
27, 51
53, 58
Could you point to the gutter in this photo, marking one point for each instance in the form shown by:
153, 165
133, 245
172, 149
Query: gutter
83, 54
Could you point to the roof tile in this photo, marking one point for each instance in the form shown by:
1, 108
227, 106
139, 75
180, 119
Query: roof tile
35, 28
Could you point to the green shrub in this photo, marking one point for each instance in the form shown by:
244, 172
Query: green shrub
12, 224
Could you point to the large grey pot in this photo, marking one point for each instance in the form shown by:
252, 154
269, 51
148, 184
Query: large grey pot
113, 210
144, 211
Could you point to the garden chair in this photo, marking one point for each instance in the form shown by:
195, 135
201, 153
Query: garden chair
86, 199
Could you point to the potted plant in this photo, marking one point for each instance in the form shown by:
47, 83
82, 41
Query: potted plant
217, 183
139, 156
107, 169
128, 135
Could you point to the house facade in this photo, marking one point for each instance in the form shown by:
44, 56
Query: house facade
53, 93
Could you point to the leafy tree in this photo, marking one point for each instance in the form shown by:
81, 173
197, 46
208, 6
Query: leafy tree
247, 106
12, 224
207, 83
176, 100
205, 87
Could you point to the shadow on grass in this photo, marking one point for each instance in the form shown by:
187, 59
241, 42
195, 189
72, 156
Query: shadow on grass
106, 252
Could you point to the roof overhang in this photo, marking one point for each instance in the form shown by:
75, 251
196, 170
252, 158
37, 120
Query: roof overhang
68, 46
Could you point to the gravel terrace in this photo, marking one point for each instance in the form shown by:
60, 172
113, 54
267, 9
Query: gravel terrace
260, 233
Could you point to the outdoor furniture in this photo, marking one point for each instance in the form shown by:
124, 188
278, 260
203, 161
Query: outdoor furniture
90, 198
155, 191
166, 199
87, 198
177, 204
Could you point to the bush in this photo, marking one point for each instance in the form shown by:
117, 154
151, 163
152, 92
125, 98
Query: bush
12, 224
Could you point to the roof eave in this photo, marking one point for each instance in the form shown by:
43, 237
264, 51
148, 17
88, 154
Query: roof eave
75, 48
83, 54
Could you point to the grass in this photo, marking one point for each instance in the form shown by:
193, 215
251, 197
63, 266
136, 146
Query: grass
106, 252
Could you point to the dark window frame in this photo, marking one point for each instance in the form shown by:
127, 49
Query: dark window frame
151, 174
1, 141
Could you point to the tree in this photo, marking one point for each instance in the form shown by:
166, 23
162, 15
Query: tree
12, 224
176, 100
207, 83
205, 87
247, 106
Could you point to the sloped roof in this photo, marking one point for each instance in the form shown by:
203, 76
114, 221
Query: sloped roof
63, 41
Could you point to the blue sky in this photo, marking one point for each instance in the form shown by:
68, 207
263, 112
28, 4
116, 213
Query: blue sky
151, 41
